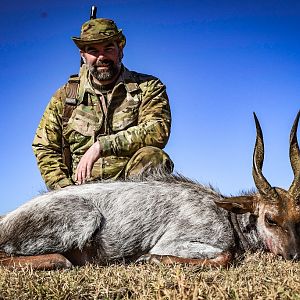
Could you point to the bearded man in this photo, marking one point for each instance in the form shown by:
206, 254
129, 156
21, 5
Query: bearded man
105, 123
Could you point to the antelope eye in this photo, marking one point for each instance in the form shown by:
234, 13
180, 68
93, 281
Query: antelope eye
270, 221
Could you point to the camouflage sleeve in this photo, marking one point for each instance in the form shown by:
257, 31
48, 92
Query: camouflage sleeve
47, 144
153, 127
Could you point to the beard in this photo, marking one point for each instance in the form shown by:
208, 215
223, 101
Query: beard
107, 74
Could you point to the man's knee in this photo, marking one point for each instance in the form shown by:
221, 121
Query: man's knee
147, 160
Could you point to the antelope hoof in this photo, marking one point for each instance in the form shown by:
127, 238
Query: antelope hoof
148, 258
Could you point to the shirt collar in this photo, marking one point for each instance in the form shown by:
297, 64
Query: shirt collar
125, 79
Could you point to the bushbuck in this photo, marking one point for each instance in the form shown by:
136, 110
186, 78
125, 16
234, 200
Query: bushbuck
167, 219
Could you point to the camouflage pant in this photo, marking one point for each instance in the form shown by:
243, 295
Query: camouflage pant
143, 161
147, 159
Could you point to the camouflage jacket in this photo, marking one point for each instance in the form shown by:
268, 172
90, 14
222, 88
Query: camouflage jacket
136, 114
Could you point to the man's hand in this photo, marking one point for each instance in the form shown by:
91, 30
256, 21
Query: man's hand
86, 163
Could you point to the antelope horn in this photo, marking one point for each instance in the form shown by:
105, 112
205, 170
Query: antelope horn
261, 183
295, 159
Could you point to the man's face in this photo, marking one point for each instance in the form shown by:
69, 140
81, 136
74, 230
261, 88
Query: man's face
103, 60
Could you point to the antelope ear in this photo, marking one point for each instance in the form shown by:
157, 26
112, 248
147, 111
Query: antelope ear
238, 205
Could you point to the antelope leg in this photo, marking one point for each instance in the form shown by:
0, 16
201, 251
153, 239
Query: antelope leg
36, 262
222, 260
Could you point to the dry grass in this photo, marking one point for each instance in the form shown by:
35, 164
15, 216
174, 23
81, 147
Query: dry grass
258, 276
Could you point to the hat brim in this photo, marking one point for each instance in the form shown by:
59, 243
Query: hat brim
81, 43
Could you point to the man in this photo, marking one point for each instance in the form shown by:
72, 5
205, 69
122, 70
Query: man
108, 122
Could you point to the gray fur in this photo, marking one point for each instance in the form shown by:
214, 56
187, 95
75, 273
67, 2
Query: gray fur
122, 220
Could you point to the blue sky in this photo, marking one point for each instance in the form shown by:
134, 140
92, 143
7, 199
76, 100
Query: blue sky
220, 60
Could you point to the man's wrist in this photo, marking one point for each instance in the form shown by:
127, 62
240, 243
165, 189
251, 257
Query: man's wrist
105, 145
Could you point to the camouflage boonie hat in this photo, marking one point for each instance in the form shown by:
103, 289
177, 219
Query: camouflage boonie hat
97, 31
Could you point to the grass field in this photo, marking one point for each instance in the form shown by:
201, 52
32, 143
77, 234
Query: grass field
257, 276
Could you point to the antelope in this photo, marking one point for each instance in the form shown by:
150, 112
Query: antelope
166, 219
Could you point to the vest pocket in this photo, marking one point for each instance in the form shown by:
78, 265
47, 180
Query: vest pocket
85, 121
126, 115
